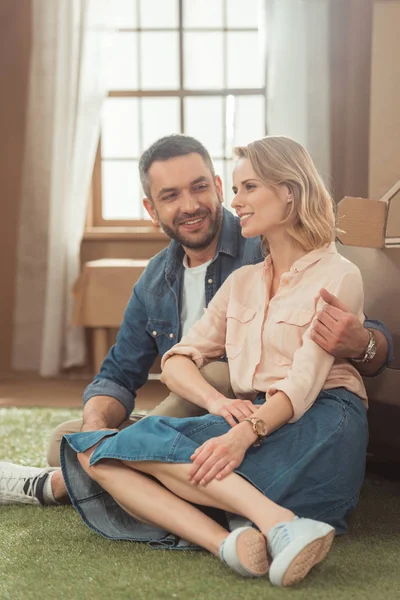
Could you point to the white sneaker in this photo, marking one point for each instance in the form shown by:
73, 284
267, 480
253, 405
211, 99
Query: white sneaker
22, 485
296, 546
245, 551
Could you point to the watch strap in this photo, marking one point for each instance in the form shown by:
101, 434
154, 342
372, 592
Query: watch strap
370, 350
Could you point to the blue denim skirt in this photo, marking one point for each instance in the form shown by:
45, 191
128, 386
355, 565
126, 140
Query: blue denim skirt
314, 467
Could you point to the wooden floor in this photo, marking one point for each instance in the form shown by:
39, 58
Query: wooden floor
31, 390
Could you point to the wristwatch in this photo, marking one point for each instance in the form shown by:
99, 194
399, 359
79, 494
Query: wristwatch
370, 350
259, 427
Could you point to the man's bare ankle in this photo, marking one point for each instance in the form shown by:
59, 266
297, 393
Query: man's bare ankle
58, 488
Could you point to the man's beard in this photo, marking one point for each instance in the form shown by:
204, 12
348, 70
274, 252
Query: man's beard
206, 239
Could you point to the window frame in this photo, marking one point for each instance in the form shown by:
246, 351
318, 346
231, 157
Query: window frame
95, 221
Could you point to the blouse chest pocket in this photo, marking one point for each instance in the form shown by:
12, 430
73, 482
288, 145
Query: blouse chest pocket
238, 323
289, 326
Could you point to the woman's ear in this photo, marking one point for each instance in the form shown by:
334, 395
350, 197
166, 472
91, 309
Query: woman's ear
286, 193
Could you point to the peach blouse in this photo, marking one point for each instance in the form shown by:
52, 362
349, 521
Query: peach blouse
267, 340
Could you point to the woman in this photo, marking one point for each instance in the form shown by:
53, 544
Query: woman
295, 467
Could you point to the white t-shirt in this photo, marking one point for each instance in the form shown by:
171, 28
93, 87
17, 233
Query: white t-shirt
193, 294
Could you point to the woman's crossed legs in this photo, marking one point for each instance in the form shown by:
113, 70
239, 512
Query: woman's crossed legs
295, 545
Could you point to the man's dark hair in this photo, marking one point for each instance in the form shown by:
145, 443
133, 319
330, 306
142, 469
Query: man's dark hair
168, 147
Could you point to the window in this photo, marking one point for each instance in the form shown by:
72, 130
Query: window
188, 66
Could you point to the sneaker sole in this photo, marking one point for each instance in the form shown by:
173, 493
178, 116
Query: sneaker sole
251, 547
300, 562
18, 500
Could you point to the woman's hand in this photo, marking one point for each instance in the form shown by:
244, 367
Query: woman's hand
219, 456
231, 409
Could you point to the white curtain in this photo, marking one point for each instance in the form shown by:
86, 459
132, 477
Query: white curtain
67, 89
295, 35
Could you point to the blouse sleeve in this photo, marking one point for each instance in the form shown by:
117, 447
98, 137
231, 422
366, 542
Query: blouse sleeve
205, 341
311, 364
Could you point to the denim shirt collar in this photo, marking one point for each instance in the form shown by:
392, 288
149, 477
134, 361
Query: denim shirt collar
228, 243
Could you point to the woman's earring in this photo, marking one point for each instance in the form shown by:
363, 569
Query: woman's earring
289, 198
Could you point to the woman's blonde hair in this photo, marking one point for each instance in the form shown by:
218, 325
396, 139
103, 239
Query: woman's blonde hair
281, 161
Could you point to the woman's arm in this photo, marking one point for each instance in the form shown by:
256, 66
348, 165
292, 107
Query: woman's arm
311, 364
182, 376
205, 341
220, 456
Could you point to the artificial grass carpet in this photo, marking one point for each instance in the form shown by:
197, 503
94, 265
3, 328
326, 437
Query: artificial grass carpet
49, 553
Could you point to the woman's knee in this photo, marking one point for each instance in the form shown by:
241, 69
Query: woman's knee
93, 471
84, 461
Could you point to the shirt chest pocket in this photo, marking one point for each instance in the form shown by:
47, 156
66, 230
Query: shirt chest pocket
287, 330
163, 334
239, 319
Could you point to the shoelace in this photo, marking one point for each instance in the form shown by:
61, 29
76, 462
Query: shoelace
6, 480
9, 484
279, 539
30, 489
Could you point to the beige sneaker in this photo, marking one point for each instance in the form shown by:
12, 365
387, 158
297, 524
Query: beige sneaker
295, 547
245, 551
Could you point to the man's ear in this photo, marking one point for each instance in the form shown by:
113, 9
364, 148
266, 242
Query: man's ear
149, 206
218, 185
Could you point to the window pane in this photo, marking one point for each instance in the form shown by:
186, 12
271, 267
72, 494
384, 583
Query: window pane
119, 131
202, 13
203, 60
244, 61
159, 13
249, 123
160, 116
224, 168
160, 61
121, 61
229, 166
204, 118
122, 196
242, 13
219, 167
121, 14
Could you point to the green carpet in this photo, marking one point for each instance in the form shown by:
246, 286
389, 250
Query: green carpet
48, 552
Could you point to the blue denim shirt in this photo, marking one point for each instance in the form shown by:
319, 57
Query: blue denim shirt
151, 323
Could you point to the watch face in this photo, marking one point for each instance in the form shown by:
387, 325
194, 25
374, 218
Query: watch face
261, 428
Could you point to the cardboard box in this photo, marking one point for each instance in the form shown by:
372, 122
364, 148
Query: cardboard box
371, 223
103, 290
101, 293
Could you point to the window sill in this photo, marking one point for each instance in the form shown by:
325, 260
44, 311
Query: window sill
124, 233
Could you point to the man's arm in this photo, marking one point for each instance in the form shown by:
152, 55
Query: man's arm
102, 412
338, 331
110, 398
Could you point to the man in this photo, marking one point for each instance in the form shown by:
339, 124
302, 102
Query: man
184, 197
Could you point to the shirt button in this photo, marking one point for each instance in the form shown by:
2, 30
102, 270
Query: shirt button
171, 336
209, 280
154, 332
